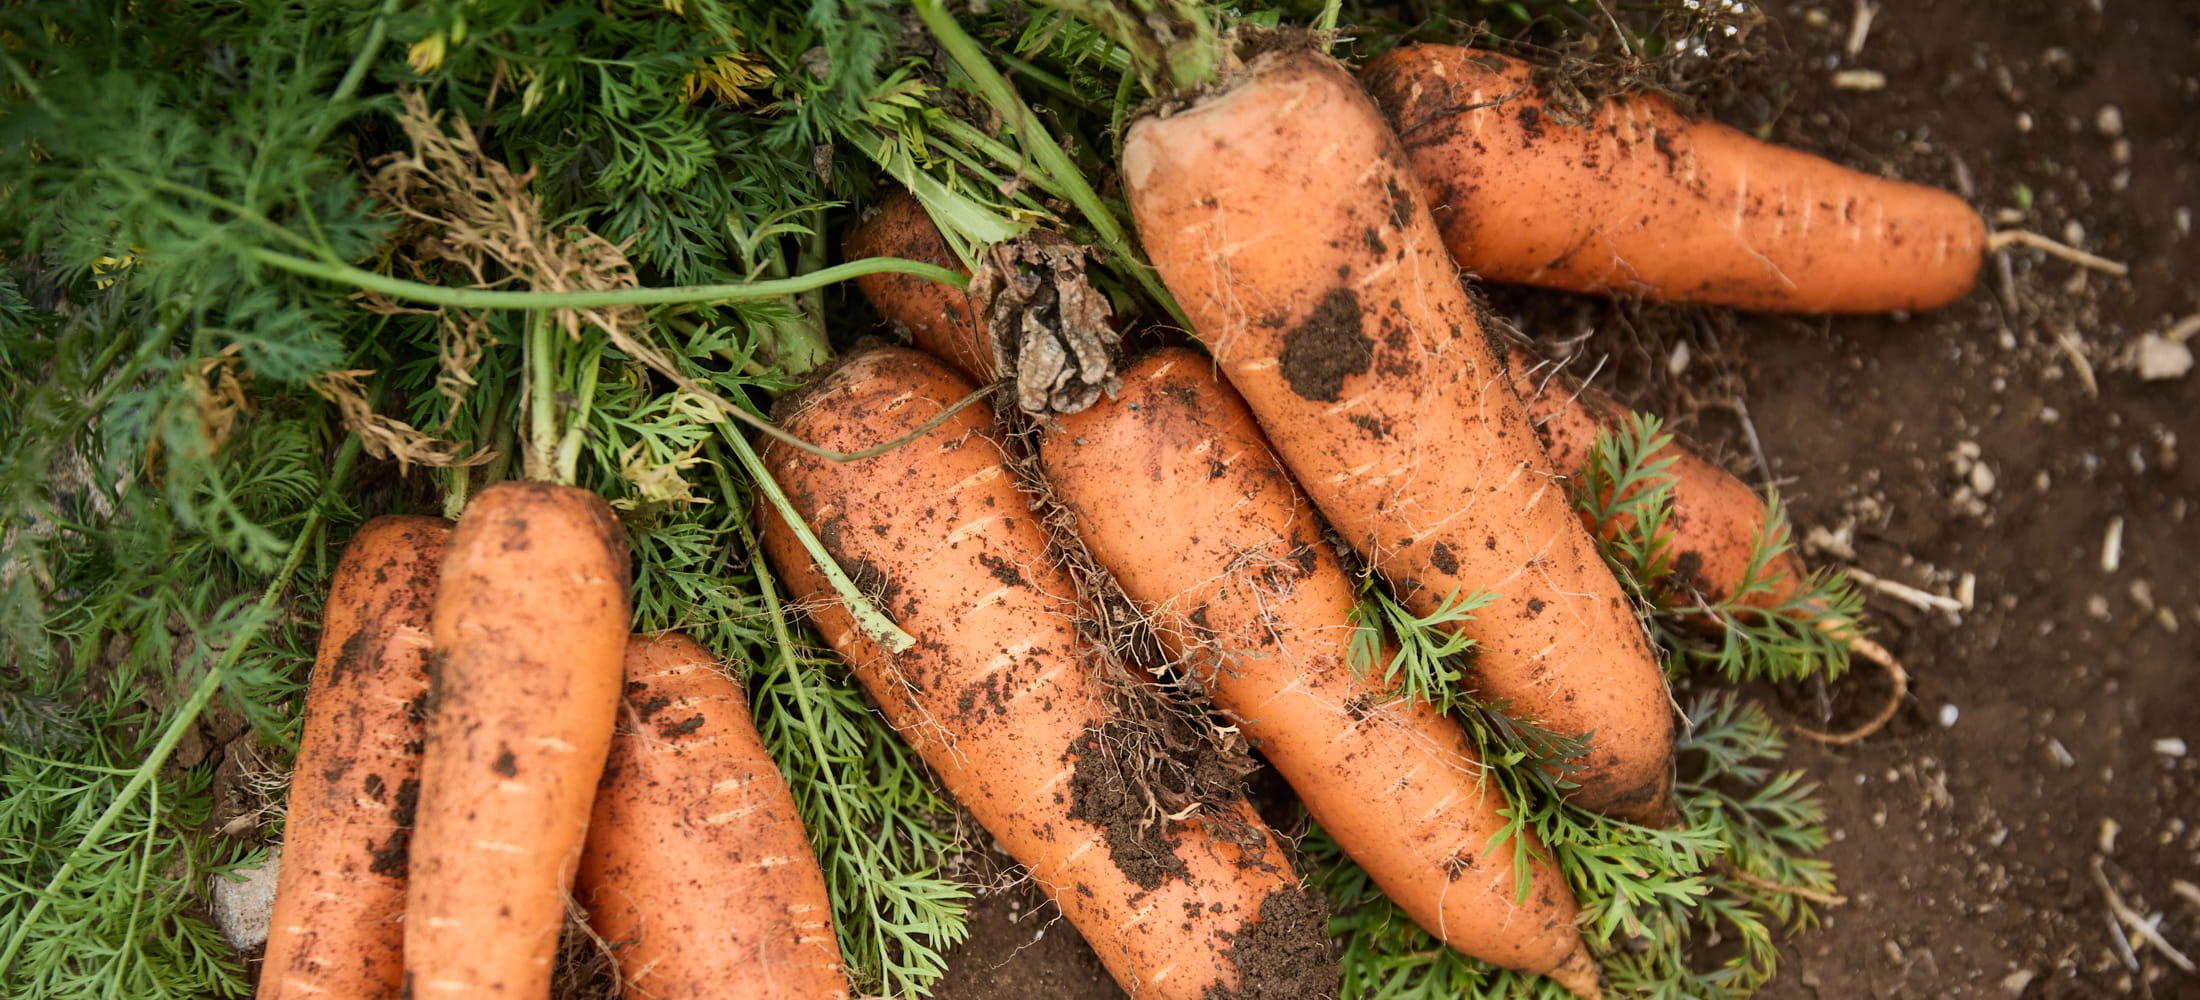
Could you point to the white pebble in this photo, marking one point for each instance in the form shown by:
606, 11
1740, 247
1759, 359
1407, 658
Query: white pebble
2061, 754
1947, 716
2171, 746
2161, 358
242, 909
2109, 121
1982, 479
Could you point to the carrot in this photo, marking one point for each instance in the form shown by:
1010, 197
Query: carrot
1278, 209
1716, 520
336, 929
530, 626
697, 868
939, 319
1638, 199
1001, 695
1176, 493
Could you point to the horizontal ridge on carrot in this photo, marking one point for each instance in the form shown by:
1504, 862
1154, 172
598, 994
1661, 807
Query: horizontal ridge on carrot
1174, 490
698, 871
1642, 200
337, 928
530, 625
1001, 695
1280, 212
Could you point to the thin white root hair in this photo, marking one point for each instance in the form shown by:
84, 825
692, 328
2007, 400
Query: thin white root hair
2000, 241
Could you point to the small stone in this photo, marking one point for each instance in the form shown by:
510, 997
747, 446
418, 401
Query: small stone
2120, 152
2097, 607
2159, 358
2015, 983
1948, 716
2024, 121
1860, 79
242, 909
2109, 121
1982, 479
2171, 746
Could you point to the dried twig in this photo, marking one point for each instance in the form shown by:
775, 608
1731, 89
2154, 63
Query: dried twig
2067, 339
1817, 896
2140, 924
1907, 594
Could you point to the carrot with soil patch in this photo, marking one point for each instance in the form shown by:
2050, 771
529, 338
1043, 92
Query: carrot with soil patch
697, 870
1175, 491
530, 628
1279, 210
1631, 197
1003, 697
337, 927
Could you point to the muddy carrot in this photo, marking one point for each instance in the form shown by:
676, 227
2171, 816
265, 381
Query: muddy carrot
1175, 491
938, 318
698, 871
337, 928
530, 626
1279, 210
1632, 197
1002, 696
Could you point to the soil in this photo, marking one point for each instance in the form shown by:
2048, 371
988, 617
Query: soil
1991, 455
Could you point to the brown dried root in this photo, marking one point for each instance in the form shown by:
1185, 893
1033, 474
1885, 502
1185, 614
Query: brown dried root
387, 437
1878, 654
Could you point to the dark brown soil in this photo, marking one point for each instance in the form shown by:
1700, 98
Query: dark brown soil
2041, 740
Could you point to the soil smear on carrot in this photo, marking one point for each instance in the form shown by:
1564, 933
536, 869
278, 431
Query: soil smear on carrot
1103, 793
1285, 955
1319, 353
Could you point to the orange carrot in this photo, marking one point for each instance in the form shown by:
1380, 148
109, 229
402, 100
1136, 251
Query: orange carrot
1176, 493
697, 868
1000, 695
1278, 209
938, 318
1716, 520
1638, 199
530, 626
336, 929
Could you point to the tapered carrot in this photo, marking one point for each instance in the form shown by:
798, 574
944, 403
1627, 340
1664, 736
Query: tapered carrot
1636, 198
1279, 211
1176, 493
337, 928
1716, 519
697, 870
1000, 694
530, 627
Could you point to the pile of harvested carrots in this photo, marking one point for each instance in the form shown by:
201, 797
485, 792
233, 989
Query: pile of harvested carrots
482, 728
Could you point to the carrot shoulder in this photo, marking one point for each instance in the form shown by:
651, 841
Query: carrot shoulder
698, 871
1639, 199
1280, 212
1000, 694
337, 927
1175, 491
530, 627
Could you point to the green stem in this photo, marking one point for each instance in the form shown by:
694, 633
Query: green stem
482, 298
869, 618
1046, 155
542, 414
188, 714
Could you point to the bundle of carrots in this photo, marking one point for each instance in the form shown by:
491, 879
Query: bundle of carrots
463, 709
480, 680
